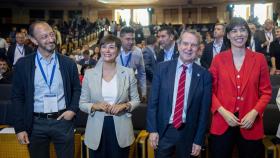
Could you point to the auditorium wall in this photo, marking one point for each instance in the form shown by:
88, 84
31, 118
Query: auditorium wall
169, 14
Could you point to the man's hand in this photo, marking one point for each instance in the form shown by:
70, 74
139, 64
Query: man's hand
248, 120
153, 139
23, 137
100, 107
67, 115
196, 150
116, 109
229, 117
272, 71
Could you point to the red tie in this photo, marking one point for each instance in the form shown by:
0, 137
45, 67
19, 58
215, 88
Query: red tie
179, 106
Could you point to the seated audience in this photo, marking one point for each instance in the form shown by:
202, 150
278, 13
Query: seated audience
86, 59
5, 72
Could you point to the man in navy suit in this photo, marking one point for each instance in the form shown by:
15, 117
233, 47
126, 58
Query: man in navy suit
215, 47
149, 55
45, 95
179, 104
167, 38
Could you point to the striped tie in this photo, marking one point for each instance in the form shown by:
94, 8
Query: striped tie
179, 106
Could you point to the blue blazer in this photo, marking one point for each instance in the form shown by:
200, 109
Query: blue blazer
23, 89
160, 102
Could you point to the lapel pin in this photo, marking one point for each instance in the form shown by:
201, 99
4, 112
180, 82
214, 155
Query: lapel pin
198, 75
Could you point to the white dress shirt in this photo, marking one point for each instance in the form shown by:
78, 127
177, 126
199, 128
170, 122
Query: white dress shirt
179, 69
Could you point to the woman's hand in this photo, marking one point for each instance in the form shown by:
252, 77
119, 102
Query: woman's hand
229, 117
100, 107
248, 120
117, 108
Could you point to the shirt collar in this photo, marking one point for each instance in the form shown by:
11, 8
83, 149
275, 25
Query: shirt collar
20, 46
171, 49
124, 53
218, 44
42, 58
180, 63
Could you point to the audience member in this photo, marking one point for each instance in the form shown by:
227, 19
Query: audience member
166, 38
150, 59
5, 72
255, 45
87, 60
215, 47
18, 50
265, 37
132, 57
274, 51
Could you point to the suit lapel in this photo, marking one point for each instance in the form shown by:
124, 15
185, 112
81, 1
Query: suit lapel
171, 79
249, 63
97, 81
63, 72
120, 81
229, 66
194, 81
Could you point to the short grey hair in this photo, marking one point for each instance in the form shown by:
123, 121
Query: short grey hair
191, 31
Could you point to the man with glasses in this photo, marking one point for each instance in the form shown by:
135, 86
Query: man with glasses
45, 95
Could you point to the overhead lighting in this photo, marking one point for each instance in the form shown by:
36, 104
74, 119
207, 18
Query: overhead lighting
123, 2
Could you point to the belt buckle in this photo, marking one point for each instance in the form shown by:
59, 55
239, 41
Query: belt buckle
49, 116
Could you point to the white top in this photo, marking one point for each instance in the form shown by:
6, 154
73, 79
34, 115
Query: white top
109, 90
179, 70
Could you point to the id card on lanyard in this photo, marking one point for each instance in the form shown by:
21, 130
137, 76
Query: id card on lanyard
50, 99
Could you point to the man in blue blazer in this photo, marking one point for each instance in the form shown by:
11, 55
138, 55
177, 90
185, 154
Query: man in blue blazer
179, 103
45, 96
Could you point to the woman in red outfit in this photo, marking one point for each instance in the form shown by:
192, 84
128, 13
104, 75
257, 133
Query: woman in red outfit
241, 91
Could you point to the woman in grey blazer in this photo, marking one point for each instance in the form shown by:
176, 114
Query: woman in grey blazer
109, 94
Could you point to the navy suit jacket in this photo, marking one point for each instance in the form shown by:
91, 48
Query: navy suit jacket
198, 105
207, 55
11, 53
160, 56
23, 89
150, 63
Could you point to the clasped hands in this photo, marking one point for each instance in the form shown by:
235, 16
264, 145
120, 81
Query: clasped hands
246, 122
110, 109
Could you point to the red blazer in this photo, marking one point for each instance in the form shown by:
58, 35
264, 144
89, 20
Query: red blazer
255, 91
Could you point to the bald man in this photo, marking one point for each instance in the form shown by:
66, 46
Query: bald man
44, 110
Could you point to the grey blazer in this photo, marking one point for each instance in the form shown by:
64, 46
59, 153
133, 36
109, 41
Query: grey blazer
92, 93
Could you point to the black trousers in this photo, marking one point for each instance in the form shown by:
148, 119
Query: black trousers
109, 146
60, 132
221, 146
171, 144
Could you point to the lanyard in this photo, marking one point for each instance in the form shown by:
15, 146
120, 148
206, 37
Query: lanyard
21, 52
43, 73
128, 60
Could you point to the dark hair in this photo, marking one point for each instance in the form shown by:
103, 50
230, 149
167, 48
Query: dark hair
170, 30
84, 67
111, 39
237, 21
32, 26
126, 30
151, 40
86, 52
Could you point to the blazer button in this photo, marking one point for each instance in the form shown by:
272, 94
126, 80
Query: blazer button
238, 98
241, 98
